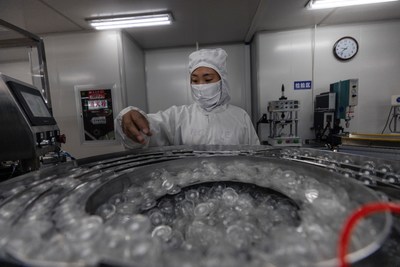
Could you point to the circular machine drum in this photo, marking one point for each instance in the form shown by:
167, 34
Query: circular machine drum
181, 206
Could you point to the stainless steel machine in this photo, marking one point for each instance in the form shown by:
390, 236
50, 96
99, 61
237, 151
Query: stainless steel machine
29, 130
283, 122
200, 206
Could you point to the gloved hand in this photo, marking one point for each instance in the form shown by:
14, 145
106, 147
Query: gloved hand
135, 125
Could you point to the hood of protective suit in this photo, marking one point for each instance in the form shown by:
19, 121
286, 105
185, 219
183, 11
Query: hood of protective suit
215, 59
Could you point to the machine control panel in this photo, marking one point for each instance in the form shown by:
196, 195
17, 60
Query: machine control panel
285, 141
47, 138
283, 105
353, 92
346, 98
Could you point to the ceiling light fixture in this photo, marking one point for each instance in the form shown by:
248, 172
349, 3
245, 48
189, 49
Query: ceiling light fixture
320, 4
118, 22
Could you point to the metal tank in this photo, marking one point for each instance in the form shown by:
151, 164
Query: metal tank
199, 206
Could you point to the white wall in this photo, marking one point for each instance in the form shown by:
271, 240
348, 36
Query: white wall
168, 76
15, 62
20, 70
92, 58
284, 57
133, 74
288, 56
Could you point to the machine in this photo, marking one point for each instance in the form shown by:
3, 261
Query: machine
283, 122
200, 206
325, 123
388, 141
331, 108
29, 130
346, 99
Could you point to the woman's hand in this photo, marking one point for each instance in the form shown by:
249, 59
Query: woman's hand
134, 125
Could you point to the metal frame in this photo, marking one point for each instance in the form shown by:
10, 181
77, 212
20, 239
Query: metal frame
30, 40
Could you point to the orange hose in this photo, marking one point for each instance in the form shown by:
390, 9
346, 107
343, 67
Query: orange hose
353, 219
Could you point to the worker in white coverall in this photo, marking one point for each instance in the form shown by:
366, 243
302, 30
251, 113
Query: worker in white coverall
210, 120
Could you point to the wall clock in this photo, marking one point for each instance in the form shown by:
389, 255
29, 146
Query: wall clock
345, 48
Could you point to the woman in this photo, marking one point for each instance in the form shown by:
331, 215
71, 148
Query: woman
210, 120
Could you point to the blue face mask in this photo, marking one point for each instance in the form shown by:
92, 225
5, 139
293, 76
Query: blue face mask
207, 95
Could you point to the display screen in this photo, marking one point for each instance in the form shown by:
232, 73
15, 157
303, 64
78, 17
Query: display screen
32, 103
97, 104
36, 104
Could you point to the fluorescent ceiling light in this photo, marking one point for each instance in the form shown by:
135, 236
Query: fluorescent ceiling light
118, 22
320, 4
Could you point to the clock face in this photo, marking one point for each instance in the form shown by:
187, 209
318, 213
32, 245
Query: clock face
345, 48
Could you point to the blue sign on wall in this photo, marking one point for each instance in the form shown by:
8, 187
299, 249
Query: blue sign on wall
302, 85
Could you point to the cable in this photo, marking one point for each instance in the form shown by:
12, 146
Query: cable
66, 154
390, 124
362, 212
387, 120
393, 120
263, 119
14, 168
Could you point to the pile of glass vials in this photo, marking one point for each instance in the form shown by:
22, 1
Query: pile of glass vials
206, 213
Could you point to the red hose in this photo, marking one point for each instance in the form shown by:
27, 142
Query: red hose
353, 219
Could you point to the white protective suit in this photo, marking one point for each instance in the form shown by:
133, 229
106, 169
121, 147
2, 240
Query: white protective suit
224, 124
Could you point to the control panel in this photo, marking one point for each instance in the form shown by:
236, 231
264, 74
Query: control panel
49, 138
346, 98
283, 105
353, 92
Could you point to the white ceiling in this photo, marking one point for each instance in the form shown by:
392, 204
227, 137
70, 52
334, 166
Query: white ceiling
202, 21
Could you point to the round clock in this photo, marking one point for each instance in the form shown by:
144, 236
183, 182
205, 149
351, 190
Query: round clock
345, 48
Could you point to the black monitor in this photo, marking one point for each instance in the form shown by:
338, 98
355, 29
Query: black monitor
32, 102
